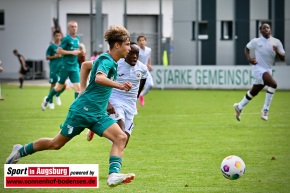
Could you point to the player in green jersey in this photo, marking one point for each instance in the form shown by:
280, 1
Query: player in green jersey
54, 64
89, 110
69, 49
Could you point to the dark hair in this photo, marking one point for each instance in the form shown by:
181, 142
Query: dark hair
141, 36
56, 32
133, 43
15, 51
116, 34
260, 28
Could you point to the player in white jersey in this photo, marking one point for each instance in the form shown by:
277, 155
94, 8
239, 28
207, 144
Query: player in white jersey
122, 105
145, 58
266, 48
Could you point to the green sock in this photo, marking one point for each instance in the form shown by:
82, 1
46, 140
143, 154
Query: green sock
58, 93
50, 95
115, 164
26, 150
76, 95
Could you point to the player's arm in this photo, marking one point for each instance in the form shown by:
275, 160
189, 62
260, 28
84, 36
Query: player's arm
67, 52
85, 71
102, 79
251, 60
53, 57
110, 108
280, 55
149, 66
141, 86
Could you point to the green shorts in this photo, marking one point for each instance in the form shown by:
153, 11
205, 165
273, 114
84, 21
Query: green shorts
74, 75
53, 77
76, 122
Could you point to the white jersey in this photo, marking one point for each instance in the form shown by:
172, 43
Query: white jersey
144, 55
264, 53
128, 73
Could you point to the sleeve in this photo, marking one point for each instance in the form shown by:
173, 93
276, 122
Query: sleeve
105, 66
145, 71
149, 52
280, 47
63, 43
252, 44
48, 51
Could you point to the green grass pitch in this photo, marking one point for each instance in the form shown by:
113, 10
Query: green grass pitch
179, 141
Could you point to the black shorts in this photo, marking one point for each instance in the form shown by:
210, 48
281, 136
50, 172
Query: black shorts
23, 71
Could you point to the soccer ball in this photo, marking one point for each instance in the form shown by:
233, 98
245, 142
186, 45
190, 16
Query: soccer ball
233, 167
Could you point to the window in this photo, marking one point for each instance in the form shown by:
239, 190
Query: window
259, 23
2, 19
226, 30
202, 30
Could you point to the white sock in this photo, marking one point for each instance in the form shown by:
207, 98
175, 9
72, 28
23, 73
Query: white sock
245, 101
268, 100
145, 90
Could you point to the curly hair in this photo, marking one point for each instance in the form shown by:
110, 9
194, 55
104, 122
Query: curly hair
116, 34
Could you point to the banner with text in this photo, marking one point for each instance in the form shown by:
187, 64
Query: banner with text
213, 77
51, 175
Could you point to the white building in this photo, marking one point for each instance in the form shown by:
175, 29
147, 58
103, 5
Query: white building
26, 25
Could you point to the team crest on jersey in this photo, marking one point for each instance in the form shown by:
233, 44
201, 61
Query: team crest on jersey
70, 129
138, 74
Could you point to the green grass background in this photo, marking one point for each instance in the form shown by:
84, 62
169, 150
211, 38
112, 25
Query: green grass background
179, 141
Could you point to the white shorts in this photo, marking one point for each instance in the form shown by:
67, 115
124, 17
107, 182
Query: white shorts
257, 73
121, 115
149, 80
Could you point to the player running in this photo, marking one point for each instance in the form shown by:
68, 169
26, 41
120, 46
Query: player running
122, 105
89, 110
266, 48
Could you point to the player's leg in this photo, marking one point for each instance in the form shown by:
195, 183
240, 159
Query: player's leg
129, 125
272, 86
22, 73
58, 87
51, 104
258, 85
74, 76
107, 127
41, 144
119, 138
238, 107
148, 84
57, 95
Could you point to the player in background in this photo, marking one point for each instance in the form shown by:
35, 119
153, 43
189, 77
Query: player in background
145, 58
69, 49
82, 55
122, 104
266, 48
55, 61
89, 110
23, 68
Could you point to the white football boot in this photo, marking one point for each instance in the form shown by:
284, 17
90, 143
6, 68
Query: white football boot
116, 179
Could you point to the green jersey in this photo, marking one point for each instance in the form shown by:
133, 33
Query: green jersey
94, 100
54, 64
70, 61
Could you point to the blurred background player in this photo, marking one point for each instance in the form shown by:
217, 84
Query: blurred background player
82, 55
69, 49
54, 65
23, 68
95, 55
145, 58
122, 104
266, 48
